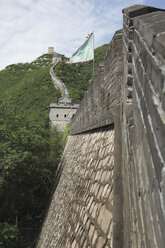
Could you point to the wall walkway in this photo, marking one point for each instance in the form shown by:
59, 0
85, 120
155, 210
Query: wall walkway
56, 81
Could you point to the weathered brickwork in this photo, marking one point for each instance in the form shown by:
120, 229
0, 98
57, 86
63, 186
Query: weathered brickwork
80, 214
143, 127
97, 107
112, 188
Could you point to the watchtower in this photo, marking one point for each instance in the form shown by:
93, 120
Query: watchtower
62, 112
51, 50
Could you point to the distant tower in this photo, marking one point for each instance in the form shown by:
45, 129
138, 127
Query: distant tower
51, 50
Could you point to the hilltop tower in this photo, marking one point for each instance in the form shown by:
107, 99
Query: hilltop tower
51, 50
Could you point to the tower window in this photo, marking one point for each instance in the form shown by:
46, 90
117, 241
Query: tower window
65, 116
57, 115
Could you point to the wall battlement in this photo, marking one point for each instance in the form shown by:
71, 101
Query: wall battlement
111, 191
97, 107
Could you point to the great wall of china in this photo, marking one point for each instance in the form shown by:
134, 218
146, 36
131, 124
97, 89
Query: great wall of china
60, 112
111, 192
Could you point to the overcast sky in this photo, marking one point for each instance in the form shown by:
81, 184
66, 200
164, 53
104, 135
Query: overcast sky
29, 27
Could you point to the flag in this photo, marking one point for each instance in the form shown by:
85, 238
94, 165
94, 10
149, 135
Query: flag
69, 114
70, 111
85, 53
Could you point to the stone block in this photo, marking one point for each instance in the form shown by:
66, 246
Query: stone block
74, 243
138, 10
85, 244
100, 192
82, 239
95, 236
150, 137
152, 69
105, 161
91, 231
107, 219
84, 221
126, 19
150, 25
100, 242
105, 190
151, 107
87, 225
91, 209
138, 69
108, 177
157, 118
158, 47
94, 211
103, 176
101, 214
128, 33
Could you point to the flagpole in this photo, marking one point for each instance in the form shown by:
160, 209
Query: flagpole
93, 57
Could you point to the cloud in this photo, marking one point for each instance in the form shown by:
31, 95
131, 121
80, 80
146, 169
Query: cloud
29, 27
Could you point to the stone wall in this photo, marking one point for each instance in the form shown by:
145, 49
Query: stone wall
97, 107
61, 113
112, 187
143, 127
56, 81
80, 214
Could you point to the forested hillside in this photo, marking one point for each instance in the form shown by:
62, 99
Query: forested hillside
77, 77
29, 150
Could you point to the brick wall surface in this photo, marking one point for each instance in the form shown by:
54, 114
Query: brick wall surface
143, 127
80, 214
97, 107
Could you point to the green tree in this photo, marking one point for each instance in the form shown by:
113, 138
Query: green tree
29, 150
9, 236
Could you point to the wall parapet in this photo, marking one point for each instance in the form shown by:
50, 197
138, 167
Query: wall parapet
143, 127
97, 107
